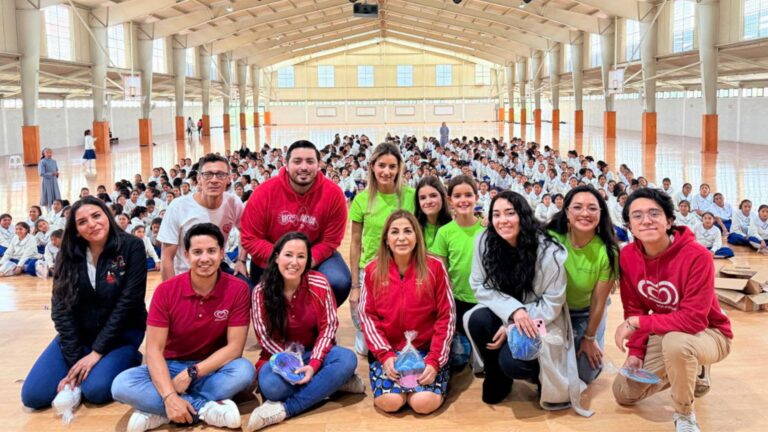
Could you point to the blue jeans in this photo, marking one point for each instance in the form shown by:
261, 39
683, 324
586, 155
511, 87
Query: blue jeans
339, 365
40, 387
724, 252
621, 233
134, 387
755, 242
334, 269
737, 239
580, 321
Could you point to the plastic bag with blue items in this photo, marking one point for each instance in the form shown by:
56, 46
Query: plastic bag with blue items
409, 364
287, 362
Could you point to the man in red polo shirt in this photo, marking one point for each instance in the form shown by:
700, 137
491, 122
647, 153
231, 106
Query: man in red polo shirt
196, 332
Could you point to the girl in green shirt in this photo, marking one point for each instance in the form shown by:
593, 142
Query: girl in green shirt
431, 208
369, 211
455, 243
584, 227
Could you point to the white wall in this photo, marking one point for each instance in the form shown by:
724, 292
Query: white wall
739, 118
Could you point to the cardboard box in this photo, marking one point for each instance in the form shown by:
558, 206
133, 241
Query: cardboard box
743, 287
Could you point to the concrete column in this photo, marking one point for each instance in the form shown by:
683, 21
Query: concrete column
98, 45
577, 65
522, 78
536, 66
144, 51
606, 65
205, 84
225, 67
255, 84
649, 31
179, 44
707, 14
28, 20
511, 91
242, 81
554, 83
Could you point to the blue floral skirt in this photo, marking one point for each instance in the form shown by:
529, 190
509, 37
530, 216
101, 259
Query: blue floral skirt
381, 384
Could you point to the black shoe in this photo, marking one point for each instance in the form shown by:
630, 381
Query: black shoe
496, 390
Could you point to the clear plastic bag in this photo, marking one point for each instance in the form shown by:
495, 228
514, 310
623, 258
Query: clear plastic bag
527, 348
286, 363
409, 364
41, 269
66, 402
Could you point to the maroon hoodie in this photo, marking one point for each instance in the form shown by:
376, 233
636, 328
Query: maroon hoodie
275, 209
677, 286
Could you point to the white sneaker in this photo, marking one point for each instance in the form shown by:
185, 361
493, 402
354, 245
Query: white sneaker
354, 384
66, 402
686, 423
141, 421
267, 414
361, 348
222, 414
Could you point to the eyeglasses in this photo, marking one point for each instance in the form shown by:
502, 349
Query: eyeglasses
577, 209
207, 175
654, 214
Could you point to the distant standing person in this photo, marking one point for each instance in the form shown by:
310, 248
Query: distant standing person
190, 127
199, 128
444, 132
49, 171
90, 154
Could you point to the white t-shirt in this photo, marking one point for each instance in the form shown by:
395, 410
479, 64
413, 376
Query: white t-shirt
183, 213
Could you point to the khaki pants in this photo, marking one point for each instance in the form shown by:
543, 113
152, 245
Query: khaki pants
677, 359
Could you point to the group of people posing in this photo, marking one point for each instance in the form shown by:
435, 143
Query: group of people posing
433, 259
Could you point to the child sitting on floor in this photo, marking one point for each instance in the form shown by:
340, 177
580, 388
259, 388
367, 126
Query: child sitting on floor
710, 236
153, 262
21, 252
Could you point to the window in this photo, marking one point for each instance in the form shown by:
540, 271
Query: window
755, 18
405, 75
595, 52
190, 62
568, 63
325, 76
683, 23
158, 55
285, 77
116, 45
365, 76
482, 75
632, 32
443, 75
57, 32
214, 67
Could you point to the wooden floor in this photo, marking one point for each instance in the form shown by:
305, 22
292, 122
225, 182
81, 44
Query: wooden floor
740, 384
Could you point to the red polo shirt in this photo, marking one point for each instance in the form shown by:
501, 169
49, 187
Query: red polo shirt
197, 325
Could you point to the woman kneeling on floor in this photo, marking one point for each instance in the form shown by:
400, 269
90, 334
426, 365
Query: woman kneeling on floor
407, 290
519, 278
294, 304
674, 325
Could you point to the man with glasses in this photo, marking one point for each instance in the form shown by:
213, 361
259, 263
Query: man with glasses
299, 198
209, 204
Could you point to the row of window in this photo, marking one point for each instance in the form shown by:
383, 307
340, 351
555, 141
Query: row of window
286, 76
59, 41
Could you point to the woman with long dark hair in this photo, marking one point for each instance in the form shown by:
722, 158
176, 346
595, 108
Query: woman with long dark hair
585, 228
431, 208
518, 278
293, 303
99, 283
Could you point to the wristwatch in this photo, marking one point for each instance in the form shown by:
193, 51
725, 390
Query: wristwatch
192, 372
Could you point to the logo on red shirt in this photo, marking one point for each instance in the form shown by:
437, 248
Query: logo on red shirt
305, 220
664, 293
221, 315
226, 229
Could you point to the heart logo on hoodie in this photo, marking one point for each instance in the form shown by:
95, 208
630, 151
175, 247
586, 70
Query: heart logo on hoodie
664, 293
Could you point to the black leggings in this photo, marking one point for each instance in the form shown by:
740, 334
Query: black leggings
461, 309
500, 368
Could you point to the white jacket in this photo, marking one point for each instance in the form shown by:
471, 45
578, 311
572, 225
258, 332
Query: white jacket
559, 375
691, 220
758, 228
740, 223
6, 236
50, 254
711, 239
21, 250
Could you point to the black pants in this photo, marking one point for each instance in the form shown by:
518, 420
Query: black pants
461, 309
500, 368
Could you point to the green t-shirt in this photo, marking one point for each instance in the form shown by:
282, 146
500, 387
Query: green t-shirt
457, 244
430, 233
373, 221
585, 267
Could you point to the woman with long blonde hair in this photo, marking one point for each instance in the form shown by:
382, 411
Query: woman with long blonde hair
369, 211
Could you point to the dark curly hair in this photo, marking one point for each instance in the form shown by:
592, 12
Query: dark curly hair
511, 269
273, 285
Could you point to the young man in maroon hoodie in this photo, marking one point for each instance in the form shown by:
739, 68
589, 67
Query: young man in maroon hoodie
300, 198
673, 325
